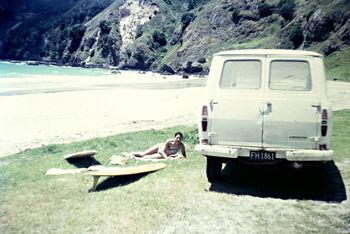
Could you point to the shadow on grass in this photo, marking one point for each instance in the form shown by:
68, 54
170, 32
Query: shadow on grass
309, 183
118, 181
84, 162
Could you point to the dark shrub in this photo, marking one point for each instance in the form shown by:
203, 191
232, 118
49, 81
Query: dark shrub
292, 36
202, 60
330, 48
264, 9
285, 44
92, 53
143, 59
90, 42
186, 19
106, 43
345, 35
159, 38
235, 15
286, 9
76, 34
60, 50
296, 34
139, 31
105, 27
165, 69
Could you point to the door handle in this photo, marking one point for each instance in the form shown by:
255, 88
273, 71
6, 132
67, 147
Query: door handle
212, 103
318, 106
267, 108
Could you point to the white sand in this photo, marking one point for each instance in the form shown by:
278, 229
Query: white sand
39, 111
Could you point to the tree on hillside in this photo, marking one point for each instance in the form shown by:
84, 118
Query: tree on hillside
235, 14
292, 36
76, 34
286, 9
105, 27
186, 19
159, 37
264, 9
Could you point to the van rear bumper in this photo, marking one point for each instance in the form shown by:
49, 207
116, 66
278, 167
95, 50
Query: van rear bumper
215, 150
309, 155
287, 154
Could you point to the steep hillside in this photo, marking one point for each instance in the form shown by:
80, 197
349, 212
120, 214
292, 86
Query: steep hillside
47, 31
171, 35
322, 26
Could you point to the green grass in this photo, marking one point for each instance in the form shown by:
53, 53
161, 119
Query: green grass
33, 202
338, 65
341, 135
171, 200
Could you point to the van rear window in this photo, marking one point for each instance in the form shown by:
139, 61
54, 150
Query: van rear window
241, 74
290, 75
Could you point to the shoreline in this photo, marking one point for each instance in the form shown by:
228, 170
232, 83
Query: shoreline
17, 81
111, 69
14, 86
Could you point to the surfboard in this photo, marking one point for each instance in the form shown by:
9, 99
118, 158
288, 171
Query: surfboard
122, 171
81, 154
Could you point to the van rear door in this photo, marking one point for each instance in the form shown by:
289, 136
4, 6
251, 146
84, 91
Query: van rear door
291, 116
236, 104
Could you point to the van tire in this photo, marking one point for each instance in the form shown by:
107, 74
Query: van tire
214, 166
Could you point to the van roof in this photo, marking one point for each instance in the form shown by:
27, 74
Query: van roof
269, 52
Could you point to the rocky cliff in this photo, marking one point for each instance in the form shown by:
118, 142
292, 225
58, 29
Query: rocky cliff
171, 35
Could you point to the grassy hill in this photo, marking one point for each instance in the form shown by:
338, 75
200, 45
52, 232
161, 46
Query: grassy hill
172, 35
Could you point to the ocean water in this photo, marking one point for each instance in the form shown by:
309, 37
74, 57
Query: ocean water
21, 78
22, 69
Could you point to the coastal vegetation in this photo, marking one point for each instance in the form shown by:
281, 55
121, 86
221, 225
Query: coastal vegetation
171, 36
175, 199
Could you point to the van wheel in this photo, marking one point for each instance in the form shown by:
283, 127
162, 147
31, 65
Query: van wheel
214, 166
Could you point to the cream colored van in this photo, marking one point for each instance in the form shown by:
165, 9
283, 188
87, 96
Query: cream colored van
265, 106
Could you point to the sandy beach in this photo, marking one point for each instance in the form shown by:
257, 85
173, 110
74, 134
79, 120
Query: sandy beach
37, 111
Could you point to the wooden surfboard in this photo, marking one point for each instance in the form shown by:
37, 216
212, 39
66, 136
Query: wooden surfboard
87, 153
122, 171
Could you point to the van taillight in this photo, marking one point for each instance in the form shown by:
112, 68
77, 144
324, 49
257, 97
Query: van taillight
205, 111
204, 118
324, 122
322, 147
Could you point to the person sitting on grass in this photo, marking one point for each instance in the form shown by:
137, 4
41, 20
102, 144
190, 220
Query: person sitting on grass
170, 149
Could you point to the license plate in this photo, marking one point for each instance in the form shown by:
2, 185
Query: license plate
262, 156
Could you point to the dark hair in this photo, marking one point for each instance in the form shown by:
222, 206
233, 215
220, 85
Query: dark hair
179, 133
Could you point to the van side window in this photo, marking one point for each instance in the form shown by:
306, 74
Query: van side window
290, 75
241, 74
